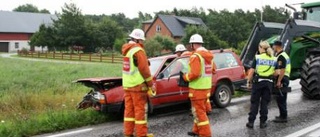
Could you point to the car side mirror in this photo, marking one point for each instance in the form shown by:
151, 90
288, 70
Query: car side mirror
160, 76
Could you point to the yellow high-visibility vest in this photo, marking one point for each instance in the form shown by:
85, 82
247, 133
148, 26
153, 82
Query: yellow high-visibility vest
265, 65
205, 80
131, 76
288, 64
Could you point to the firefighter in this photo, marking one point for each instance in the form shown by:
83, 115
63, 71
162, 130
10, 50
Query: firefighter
199, 77
283, 68
137, 82
260, 75
181, 51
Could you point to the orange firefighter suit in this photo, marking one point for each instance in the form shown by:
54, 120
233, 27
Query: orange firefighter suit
208, 104
135, 83
200, 70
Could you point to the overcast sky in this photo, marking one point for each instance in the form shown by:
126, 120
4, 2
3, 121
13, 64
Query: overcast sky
131, 7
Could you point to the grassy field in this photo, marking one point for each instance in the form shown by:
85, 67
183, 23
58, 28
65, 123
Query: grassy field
39, 97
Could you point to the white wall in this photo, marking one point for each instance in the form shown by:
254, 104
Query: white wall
22, 44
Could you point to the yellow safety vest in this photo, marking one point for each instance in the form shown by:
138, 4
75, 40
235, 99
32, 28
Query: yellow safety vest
288, 64
265, 65
205, 80
184, 65
131, 76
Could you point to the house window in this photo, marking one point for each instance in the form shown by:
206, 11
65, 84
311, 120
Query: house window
158, 28
16, 45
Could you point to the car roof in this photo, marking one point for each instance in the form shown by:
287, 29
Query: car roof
221, 51
164, 57
174, 55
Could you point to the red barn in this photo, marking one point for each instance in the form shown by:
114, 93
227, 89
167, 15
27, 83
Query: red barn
16, 29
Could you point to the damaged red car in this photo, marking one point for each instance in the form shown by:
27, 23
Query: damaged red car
107, 94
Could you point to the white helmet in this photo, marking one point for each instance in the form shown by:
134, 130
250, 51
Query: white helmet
137, 34
180, 47
196, 38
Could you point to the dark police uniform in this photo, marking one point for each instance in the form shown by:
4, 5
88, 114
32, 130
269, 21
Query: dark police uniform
283, 62
264, 66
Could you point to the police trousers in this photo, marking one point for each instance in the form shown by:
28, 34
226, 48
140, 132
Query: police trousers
260, 96
281, 99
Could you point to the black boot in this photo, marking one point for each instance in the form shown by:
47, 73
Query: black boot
192, 134
263, 125
249, 125
280, 120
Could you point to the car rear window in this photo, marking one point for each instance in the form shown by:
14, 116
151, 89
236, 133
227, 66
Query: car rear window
225, 60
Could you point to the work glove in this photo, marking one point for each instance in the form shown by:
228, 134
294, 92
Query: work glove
152, 91
181, 81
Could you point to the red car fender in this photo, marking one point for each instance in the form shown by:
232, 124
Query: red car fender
114, 95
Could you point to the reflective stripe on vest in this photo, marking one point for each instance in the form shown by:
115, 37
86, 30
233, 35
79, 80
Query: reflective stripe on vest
130, 74
288, 63
265, 65
204, 81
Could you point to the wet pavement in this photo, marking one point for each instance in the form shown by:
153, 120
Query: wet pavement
228, 122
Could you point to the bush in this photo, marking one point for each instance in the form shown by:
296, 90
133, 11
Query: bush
24, 51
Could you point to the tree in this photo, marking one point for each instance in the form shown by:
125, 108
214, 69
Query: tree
70, 26
43, 37
27, 8
167, 42
108, 32
30, 8
44, 11
152, 47
211, 41
157, 44
118, 44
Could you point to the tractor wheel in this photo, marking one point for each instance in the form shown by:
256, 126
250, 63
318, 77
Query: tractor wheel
310, 77
222, 96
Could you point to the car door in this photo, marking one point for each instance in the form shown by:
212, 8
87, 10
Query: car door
167, 88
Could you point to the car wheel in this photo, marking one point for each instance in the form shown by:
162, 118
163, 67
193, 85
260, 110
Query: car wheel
222, 96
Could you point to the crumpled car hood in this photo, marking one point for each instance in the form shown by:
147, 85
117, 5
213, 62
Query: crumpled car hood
101, 83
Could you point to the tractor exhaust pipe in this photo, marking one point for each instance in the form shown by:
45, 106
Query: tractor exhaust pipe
295, 13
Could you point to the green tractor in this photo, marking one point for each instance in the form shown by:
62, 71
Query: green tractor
300, 37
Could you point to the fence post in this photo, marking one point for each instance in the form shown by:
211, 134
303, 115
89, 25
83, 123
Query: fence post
112, 57
38, 54
90, 57
31, 54
80, 56
70, 56
46, 54
62, 55
100, 57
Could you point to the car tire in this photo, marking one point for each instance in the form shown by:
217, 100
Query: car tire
310, 77
222, 96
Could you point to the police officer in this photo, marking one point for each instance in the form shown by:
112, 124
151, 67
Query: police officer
283, 69
137, 84
260, 75
199, 77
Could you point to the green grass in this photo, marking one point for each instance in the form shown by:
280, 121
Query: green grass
39, 97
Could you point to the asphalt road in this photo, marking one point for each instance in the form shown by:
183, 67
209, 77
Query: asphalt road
229, 122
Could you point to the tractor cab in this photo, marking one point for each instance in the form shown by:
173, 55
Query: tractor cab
311, 11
